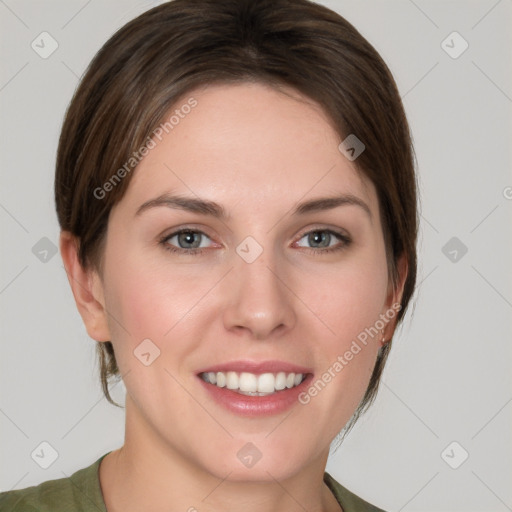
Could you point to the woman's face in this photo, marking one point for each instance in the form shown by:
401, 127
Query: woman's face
279, 284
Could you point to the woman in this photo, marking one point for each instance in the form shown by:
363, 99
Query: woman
236, 191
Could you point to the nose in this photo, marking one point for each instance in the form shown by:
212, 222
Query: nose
258, 300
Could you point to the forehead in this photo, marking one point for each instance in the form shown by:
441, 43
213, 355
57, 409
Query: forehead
247, 144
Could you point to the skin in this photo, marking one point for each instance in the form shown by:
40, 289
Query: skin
257, 152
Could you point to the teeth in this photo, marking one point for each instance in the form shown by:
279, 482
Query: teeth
251, 384
231, 380
220, 379
248, 382
266, 383
280, 381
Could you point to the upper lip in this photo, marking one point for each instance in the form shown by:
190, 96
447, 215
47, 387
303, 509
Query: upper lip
257, 367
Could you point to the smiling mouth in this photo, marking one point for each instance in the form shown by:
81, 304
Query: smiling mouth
251, 384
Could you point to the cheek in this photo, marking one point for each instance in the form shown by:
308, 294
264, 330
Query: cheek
350, 297
348, 301
148, 305
148, 300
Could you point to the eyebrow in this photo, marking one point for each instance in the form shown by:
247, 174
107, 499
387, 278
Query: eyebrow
329, 203
206, 207
190, 204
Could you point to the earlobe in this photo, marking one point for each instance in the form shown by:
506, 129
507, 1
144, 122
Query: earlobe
87, 289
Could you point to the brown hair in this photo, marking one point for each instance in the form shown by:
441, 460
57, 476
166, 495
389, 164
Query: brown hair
172, 49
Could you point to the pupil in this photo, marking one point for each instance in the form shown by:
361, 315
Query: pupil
188, 238
319, 237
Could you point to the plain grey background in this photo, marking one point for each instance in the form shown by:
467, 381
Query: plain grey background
447, 389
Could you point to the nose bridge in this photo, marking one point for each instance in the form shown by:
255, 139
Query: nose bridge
258, 298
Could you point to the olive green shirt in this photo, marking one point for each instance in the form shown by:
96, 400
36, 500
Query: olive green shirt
81, 492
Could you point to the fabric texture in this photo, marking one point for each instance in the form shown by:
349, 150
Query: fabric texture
81, 492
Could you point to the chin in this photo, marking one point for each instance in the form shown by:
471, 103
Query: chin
258, 461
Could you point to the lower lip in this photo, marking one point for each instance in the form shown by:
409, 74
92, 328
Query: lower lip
251, 406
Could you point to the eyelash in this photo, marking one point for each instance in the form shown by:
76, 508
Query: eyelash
345, 242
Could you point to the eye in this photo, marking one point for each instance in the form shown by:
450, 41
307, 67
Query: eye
191, 241
187, 241
324, 240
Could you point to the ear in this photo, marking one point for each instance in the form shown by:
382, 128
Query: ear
87, 289
394, 297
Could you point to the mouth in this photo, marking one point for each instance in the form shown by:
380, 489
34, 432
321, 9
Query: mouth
253, 389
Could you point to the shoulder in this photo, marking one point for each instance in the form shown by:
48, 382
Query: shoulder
348, 500
80, 492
